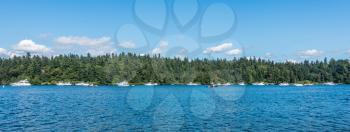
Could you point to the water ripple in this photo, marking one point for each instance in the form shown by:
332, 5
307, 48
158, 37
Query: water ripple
175, 108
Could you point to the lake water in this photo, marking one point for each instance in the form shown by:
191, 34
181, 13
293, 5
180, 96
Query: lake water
175, 108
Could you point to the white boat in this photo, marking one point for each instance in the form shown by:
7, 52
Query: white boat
218, 84
193, 84
259, 84
123, 84
21, 83
227, 84
84, 84
283, 84
213, 85
63, 84
241, 83
151, 84
298, 85
309, 84
329, 83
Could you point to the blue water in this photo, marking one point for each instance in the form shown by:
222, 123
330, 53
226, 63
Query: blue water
175, 108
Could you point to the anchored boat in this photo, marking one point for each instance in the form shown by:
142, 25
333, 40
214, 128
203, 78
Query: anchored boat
123, 84
21, 83
193, 84
63, 84
151, 84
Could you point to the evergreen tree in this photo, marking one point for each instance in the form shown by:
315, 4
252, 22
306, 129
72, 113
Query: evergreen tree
111, 68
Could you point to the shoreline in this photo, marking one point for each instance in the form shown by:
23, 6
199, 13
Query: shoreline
132, 85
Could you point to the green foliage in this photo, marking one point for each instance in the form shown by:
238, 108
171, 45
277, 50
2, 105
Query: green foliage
111, 68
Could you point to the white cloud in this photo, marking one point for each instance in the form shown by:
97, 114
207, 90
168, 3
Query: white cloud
311, 53
250, 57
83, 41
268, 54
3, 52
101, 50
181, 53
82, 44
234, 52
31, 46
348, 51
219, 48
291, 61
127, 45
12, 54
162, 47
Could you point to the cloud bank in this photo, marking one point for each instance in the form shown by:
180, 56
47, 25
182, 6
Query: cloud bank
163, 45
3, 52
127, 45
219, 48
310, 53
82, 40
83, 44
226, 48
30, 46
234, 52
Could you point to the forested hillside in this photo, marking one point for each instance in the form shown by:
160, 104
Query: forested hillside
109, 69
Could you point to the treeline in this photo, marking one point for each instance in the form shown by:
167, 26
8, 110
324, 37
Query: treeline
109, 69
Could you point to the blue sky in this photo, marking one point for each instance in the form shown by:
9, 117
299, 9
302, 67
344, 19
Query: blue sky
271, 29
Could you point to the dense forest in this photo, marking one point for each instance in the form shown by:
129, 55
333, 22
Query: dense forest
111, 68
